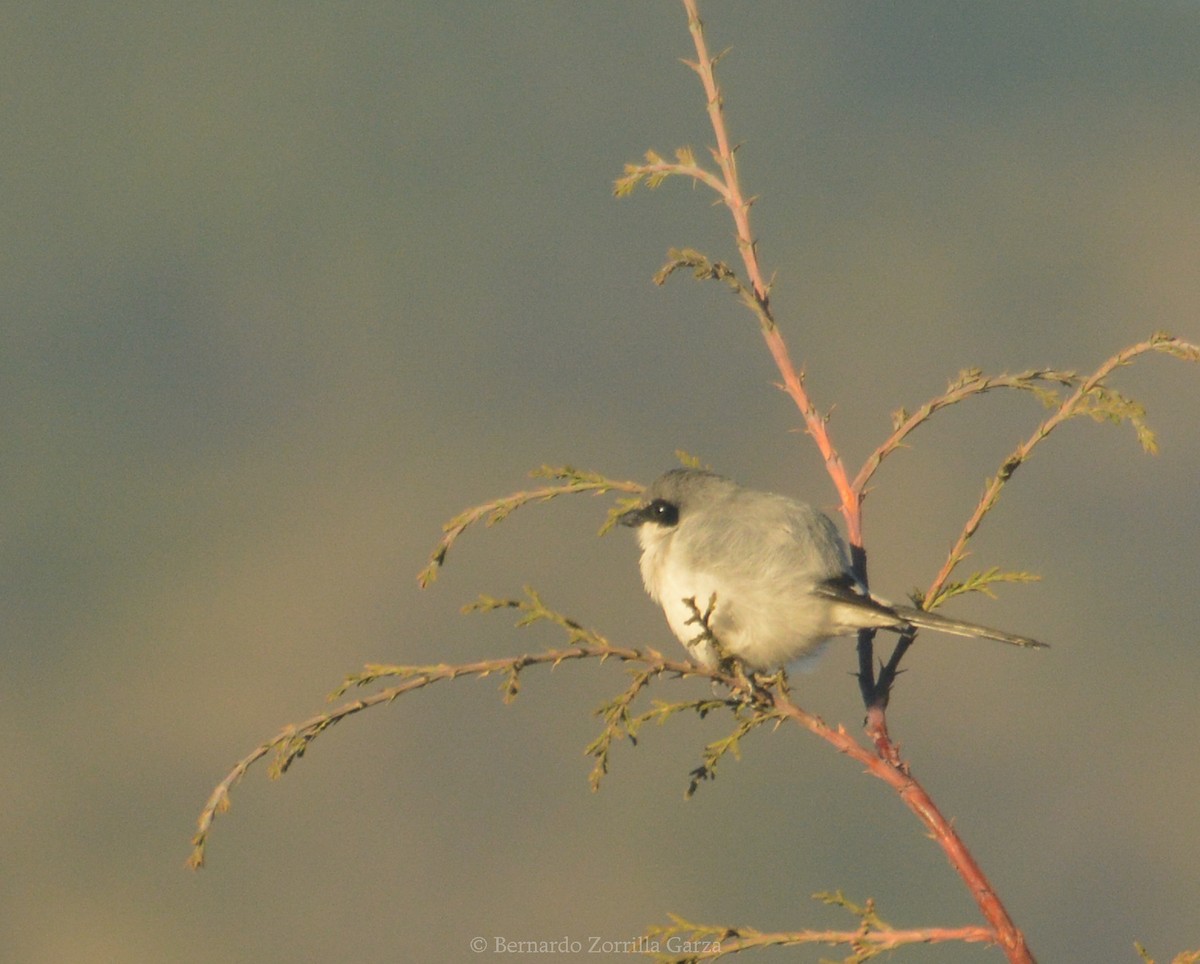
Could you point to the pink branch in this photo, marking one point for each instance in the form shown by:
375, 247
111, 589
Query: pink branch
739, 207
896, 774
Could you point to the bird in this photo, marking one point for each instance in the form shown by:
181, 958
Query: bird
760, 577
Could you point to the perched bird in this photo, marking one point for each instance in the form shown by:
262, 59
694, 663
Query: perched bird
771, 574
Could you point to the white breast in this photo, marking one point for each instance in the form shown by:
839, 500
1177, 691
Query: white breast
752, 619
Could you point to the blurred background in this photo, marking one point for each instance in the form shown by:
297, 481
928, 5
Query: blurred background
287, 285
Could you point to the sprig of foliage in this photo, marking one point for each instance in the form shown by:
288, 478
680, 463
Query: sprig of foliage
620, 723
1186, 957
293, 741
1092, 397
866, 913
976, 582
685, 942
747, 720
967, 384
573, 482
657, 169
679, 259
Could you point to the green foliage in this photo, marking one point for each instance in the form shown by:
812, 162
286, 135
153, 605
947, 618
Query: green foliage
293, 741
687, 460
685, 942
620, 723
572, 482
703, 269
976, 582
1186, 957
713, 752
698, 941
657, 169
1091, 397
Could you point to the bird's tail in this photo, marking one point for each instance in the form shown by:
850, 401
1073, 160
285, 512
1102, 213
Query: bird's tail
923, 619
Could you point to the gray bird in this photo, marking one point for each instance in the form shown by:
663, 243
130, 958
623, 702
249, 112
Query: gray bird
776, 572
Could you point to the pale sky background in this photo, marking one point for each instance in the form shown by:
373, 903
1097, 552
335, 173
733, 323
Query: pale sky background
287, 285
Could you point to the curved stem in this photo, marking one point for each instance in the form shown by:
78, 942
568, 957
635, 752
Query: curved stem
896, 773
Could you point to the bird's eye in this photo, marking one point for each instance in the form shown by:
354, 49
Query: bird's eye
663, 512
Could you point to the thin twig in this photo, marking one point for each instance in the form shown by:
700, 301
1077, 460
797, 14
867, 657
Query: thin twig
1085, 400
290, 743
492, 512
967, 385
707, 943
739, 205
1090, 397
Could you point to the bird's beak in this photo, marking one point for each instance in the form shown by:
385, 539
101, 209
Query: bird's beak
634, 517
